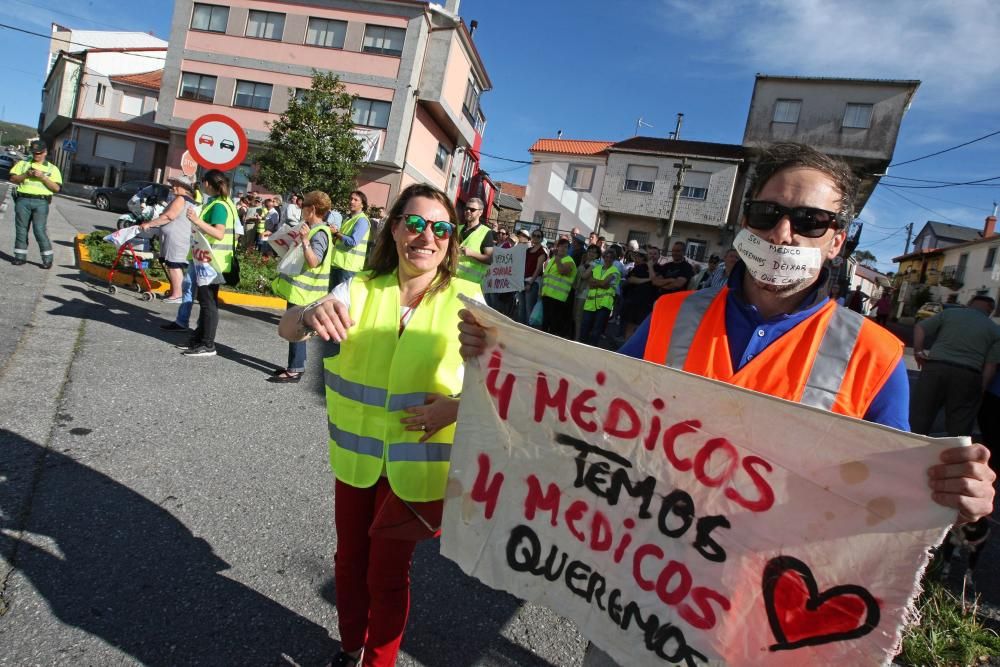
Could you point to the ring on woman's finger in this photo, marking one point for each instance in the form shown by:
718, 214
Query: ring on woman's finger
423, 427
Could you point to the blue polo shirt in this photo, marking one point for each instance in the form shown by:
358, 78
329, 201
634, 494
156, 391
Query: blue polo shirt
749, 334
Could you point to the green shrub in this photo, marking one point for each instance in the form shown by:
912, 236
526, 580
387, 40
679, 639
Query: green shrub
256, 272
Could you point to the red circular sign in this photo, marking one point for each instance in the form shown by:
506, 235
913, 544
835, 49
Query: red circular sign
217, 142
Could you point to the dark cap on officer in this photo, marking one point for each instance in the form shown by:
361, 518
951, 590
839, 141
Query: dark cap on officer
38, 146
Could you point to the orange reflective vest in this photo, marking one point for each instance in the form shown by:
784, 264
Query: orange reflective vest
835, 360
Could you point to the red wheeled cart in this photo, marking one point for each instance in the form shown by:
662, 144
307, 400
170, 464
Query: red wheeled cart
133, 258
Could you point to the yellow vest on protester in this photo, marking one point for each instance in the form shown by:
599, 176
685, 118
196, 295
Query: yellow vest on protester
602, 297
556, 285
34, 186
313, 282
346, 257
379, 372
222, 249
468, 268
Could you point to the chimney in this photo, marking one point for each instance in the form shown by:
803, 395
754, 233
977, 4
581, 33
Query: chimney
559, 134
990, 228
473, 24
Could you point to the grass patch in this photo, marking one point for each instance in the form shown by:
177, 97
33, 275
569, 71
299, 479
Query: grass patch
256, 271
949, 634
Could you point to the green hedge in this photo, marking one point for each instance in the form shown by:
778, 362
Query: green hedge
256, 271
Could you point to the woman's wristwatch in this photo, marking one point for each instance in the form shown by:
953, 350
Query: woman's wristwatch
308, 331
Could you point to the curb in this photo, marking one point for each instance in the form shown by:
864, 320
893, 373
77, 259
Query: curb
225, 296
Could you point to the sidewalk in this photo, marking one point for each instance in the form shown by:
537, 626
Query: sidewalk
156, 509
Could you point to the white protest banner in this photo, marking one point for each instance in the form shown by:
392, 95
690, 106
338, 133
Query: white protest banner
680, 520
206, 267
287, 238
507, 270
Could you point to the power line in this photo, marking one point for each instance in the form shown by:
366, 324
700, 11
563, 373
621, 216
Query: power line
86, 46
506, 159
946, 201
945, 184
76, 16
946, 150
918, 205
928, 180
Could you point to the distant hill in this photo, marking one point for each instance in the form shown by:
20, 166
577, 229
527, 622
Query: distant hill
15, 134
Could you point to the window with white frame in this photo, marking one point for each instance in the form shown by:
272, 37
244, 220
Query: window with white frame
787, 111
580, 177
383, 40
326, 32
131, 105
265, 25
441, 157
102, 92
198, 87
212, 18
370, 113
695, 249
640, 178
858, 115
250, 95
470, 106
696, 185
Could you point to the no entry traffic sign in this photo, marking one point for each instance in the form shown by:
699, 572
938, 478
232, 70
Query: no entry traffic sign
216, 142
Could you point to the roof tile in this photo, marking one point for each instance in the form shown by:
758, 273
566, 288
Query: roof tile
149, 80
570, 146
681, 147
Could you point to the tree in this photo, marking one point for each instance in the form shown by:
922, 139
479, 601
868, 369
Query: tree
865, 258
312, 146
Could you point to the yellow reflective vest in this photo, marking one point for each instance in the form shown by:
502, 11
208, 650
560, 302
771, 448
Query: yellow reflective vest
35, 186
222, 249
468, 268
346, 257
556, 285
313, 282
378, 373
602, 297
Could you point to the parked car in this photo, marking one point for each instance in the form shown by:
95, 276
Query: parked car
7, 162
932, 308
116, 199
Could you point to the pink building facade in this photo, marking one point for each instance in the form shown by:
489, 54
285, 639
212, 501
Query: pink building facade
413, 68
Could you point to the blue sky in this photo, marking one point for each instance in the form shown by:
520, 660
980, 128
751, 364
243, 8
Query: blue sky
590, 68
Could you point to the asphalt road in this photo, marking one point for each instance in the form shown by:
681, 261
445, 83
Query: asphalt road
161, 510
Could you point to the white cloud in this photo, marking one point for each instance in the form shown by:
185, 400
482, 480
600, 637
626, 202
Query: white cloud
949, 46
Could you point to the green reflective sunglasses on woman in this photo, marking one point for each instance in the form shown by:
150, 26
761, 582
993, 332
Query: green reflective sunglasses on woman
442, 229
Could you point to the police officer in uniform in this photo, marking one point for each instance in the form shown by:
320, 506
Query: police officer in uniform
36, 181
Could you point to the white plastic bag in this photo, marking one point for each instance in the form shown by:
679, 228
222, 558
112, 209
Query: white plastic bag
123, 236
291, 264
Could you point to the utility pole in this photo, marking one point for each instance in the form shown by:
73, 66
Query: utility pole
682, 166
909, 233
677, 127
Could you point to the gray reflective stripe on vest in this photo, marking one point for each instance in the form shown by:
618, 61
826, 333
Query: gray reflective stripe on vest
832, 358
293, 280
355, 391
358, 444
350, 251
403, 401
221, 246
423, 452
686, 325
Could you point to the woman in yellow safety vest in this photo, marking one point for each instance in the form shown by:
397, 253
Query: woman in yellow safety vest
311, 283
391, 405
601, 283
557, 283
217, 222
351, 241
